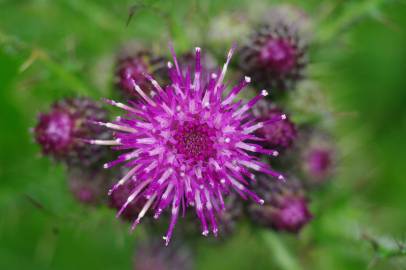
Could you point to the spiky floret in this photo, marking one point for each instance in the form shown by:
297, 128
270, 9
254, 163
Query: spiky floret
274, 55
186, 146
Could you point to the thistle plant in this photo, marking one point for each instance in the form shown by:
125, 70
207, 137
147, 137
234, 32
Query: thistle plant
186, 146
189, 148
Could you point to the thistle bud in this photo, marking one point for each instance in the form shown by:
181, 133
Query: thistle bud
285, 208
274, 55
132, 66
281, 133
60, 132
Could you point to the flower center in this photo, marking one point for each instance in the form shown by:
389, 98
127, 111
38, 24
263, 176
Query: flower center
194, 141
278, 55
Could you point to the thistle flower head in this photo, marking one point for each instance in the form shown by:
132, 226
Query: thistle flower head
59, 131
279, 134
274, 55
286, 206
187, 146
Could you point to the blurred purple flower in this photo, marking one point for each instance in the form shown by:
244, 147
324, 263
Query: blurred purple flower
286, 207
59, 132
274, 56
318, 156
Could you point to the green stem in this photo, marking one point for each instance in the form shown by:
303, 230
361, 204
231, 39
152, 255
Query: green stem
280, 253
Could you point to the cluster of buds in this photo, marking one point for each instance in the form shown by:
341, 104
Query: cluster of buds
188, 144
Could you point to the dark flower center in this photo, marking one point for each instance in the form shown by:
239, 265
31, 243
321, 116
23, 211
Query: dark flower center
194, 141
278, 55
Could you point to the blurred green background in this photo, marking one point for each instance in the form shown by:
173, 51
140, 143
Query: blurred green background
53, 48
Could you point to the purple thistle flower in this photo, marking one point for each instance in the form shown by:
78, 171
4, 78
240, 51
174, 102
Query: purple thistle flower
59, 131
286, 206
280, 134
186, 146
